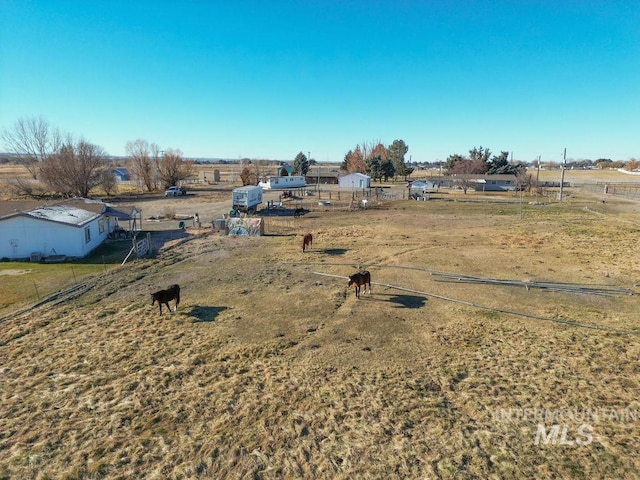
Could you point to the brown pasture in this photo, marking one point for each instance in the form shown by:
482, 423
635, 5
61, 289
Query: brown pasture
270, 369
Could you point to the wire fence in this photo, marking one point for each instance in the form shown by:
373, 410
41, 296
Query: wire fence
48, 281
626, 190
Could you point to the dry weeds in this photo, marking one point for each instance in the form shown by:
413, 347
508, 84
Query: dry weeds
270, 371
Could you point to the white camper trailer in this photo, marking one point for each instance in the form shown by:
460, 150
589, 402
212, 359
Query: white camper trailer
247, 198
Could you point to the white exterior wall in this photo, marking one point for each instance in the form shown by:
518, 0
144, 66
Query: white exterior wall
282, 183
247, 196
20, 236
354, 180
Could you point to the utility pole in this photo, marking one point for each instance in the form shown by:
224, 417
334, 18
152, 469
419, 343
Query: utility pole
538, 179
564, 164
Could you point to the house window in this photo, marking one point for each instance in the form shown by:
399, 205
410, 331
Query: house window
87, 235
101, 225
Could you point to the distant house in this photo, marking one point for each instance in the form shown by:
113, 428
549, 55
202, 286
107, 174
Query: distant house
354, 180
495, 183
121, 174
72, 228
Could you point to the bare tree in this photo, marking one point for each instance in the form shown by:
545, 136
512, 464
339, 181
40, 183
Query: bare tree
140, 163
464, 170
108, 181
33, 140
357, 160
368, 149
75, 168
172, 168
26, 187
248, 177
261, 168
632, 165
525, 181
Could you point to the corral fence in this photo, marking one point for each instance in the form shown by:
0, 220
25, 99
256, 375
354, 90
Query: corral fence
279, 217
71, 276
140, 247
627, 190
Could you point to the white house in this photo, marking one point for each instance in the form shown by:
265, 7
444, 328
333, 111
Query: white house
354, 180
72, 228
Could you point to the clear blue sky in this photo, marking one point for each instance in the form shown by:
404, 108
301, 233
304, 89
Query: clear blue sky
266, 80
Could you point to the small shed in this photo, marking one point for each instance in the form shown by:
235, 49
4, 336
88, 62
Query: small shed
354, 180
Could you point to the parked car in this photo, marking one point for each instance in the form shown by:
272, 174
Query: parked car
175, 191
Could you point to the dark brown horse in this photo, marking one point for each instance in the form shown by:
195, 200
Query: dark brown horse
359, 279
165, 296
307, 241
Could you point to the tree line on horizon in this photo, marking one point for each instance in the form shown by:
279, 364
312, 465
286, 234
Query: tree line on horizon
371, 158
61, 164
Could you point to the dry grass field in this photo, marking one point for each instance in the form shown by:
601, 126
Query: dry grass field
270, 368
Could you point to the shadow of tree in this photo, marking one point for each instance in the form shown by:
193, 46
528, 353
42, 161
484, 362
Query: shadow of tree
204, 314
408, 301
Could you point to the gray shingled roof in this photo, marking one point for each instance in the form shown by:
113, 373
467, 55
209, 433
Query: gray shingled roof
76, 211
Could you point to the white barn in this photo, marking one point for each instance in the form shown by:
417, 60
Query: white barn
72, 228
354, 180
